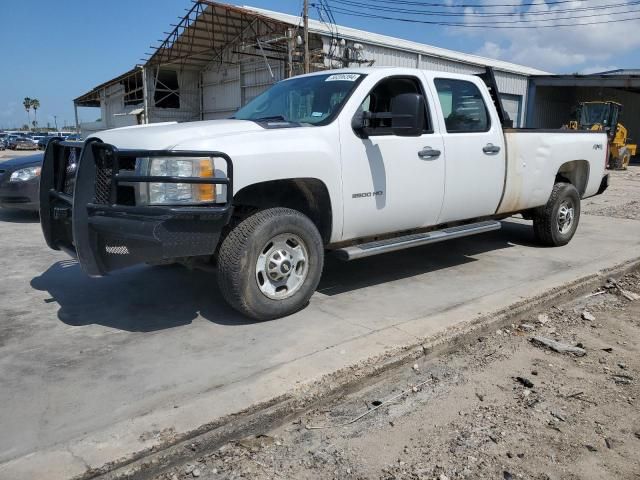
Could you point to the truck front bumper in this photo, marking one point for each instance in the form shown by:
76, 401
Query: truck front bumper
82, 212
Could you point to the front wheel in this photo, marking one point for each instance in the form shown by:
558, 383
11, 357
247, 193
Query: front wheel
555, 224
270, 263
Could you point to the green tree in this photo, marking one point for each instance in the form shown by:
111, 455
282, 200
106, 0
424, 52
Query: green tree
27, 107
35, 104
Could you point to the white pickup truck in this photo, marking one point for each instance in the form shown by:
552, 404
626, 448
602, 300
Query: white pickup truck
357, 162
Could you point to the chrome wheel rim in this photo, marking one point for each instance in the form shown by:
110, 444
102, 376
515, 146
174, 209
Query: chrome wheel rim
566, 216
282, 266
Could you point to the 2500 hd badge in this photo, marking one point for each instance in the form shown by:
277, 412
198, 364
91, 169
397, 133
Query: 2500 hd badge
367, 194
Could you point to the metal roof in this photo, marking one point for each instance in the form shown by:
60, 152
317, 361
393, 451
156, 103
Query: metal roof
620, 71
207, 29
625, 79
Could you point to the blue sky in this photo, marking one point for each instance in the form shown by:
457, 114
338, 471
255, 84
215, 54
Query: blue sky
55, 51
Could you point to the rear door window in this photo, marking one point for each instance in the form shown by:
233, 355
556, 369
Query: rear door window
462, 105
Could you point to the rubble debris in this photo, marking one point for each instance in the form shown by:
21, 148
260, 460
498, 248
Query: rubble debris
558, 347
527, 327
609, 443
558, 415
591, 448
507, 475
525, 381
622, 379
414, 389
588, 316
543, 319
607, 349
599, 292
631, 296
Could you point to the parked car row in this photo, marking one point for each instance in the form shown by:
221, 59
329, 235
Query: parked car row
18, 141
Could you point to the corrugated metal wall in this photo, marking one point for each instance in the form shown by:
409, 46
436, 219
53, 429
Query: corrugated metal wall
221, 92
227, 88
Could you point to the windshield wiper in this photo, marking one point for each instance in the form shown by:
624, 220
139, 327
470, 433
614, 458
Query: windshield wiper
272, 117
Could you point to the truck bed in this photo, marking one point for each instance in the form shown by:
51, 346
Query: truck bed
533, 162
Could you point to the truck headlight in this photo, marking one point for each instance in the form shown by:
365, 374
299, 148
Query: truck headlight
25, 174
179, 193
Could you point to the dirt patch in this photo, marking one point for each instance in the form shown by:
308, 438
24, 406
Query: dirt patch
499, 407
630, 210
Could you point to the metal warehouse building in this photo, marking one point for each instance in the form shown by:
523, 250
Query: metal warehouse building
218, 57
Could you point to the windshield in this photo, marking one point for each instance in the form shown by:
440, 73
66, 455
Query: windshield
593, 113
313, 100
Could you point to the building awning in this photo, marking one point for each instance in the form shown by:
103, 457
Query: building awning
628, 80
135, 111
92, 98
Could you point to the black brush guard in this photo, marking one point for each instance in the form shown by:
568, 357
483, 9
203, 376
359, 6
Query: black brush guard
79, 209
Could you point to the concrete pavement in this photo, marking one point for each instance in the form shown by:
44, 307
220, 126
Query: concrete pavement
92, 370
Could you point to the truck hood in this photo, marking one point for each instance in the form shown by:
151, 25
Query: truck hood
166, 136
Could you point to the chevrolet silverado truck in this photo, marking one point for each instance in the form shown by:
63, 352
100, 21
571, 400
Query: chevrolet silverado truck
355, 162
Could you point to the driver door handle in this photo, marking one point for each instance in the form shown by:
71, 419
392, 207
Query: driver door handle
429, 153
490, 148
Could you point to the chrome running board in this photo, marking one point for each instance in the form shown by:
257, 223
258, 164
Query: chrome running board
400, 243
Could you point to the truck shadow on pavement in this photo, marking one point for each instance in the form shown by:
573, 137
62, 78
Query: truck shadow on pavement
342, 277
147, 299
19, 216
138, 299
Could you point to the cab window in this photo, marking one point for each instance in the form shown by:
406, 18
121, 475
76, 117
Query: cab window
462, 105
379, 101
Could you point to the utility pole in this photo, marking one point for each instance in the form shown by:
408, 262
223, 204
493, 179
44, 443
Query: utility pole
306, 35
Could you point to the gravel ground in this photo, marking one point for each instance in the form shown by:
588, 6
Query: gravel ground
618, 201
500, 408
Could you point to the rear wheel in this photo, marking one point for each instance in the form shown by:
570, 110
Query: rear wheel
270, 263
555, 224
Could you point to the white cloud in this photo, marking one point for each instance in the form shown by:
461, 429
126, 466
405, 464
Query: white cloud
559, 49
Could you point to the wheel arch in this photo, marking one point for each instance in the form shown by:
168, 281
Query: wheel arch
309, 196
575, 172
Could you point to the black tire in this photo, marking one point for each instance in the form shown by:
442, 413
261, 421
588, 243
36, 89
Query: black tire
238, 256
546, 219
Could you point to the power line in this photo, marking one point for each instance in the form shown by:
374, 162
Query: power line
518, 24
387, 8
475, 5
524, 21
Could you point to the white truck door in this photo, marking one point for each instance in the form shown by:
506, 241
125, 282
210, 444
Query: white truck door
474, 144
391, 183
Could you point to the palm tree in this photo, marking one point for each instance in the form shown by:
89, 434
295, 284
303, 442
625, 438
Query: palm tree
27, 107
35, 104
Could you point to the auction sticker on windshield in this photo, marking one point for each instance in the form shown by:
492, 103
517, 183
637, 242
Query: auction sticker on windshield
349, 77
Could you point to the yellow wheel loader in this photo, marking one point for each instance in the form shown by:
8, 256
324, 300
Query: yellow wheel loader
604, 117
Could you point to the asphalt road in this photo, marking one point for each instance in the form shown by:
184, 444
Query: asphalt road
94, 369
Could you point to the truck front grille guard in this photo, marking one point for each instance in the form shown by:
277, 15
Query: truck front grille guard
81, 211
65, 157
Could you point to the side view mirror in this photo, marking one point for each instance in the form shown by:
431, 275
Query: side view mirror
360, 122
407, 115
